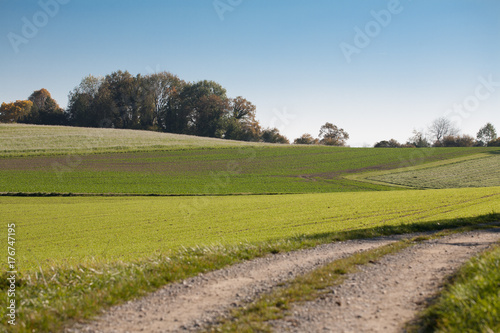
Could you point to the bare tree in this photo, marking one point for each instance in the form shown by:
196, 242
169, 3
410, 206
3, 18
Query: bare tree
442, 127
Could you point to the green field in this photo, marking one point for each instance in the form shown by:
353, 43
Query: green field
269, 169
85, 252
480, 172
79, 228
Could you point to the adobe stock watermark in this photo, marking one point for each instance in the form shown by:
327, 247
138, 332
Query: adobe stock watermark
372, 29
470, 104
281, 119
48, 9
223, 6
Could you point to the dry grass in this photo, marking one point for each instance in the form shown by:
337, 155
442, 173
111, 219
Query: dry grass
27, 140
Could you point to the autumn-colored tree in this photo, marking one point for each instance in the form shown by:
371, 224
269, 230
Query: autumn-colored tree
306, 139
331, 135
14, 111
45, 110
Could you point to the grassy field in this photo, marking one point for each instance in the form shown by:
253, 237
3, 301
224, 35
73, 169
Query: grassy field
269, 169
29, 140
126, 228
79, 254
469, 173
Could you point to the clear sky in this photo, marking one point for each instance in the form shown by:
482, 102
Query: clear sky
378, 69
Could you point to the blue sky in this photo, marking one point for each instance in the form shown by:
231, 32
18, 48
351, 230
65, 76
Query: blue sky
421, 60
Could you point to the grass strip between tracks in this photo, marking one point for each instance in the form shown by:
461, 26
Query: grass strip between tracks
255, 317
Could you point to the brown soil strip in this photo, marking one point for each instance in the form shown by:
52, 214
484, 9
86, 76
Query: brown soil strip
189, 305
385, 295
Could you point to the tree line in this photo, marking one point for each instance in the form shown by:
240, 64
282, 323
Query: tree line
159, 102
164, 102
443, 133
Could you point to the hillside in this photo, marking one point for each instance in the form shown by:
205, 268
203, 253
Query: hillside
29, 140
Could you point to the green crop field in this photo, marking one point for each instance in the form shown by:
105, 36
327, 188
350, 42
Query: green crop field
269, 169
470, 173
79, 228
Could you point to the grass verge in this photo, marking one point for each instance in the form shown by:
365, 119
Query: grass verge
470, 302
256, 316
51, 298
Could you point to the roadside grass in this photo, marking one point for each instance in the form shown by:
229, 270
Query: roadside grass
256, 316
467, 173
73, 229
470, 302
58, 295
223, 170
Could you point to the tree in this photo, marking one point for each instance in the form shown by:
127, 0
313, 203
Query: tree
306, 139
162, 91
82, 106
388, 144
442, 127
45, 110
418, 140
486, 134
457, 141
204, 109
241, 123
12, 112
494, 143
331, 135
272, 135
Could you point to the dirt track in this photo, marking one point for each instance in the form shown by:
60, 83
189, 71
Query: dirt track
385, 295
381, 298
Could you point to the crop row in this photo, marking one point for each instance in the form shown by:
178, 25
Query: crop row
472, 173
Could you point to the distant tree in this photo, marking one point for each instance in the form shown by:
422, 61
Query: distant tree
162, 91
486, 134
457, 141
306, 139
14, 111
418, 140
494, 143
388, 144
272, 135
82, 105
331, 135
45, 110
204, 109
241, 122
442, 127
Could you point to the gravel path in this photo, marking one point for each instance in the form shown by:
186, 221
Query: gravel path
188, 305
385, 295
